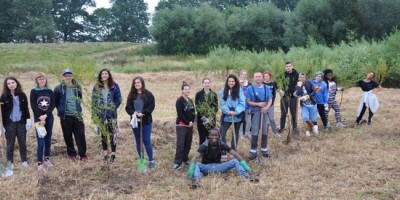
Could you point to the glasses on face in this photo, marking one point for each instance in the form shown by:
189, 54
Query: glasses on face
68, 75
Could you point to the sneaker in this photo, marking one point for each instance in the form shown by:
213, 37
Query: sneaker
48, 164
72, 158
84, 159
152, 164
265, 154
340, 125
308, 133
195, 183
315, 129
12, 166
176, 167
105, 158
112, 159
249, 178
328, 124
252, 156
40, 167
369, 122
25, 164
278, 134
280, 130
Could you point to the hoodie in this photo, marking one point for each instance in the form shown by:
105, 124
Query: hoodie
321, 90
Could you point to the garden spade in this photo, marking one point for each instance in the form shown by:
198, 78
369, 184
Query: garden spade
141, 162
260, 156
234, 135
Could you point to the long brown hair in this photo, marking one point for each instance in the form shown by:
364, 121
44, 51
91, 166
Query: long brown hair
134, 92
110, 81
7, 91
235, 89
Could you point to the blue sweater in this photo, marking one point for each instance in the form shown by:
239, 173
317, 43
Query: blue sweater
321, 96
237, 104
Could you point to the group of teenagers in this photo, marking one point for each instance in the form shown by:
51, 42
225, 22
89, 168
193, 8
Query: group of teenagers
248, 107
67, 99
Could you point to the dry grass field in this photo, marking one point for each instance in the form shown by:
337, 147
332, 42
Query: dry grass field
352, 163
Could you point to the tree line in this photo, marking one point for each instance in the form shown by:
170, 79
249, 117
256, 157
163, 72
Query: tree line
69, 21
257, 25
195, 26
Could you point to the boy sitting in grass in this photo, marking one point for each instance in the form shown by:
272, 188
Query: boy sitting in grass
211, 161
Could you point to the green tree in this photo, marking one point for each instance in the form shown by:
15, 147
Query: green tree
285, 4
378, 17
35, 22
7, 21
260, 27
69, 16
174, 30
209, 29
130, 20
99, 26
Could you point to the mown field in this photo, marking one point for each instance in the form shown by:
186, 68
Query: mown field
351, 163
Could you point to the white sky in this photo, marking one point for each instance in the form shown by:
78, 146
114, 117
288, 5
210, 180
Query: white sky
151, 4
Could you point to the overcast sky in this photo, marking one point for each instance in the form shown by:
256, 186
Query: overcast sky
151, 4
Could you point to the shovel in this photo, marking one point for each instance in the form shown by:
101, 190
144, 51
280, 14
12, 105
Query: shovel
260, 156
234, 135
141, 162
5, 166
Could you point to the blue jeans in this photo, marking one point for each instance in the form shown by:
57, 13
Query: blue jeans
45, 143
218, 168
309, 113
146, 139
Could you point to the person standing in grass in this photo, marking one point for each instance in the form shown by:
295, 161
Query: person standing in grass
288, 101
16, 118
184, 127
141, 103
368, 99
106, 98
321, 97
68, 98
206, 102
259, 97
273, 86
232, 106
43, 103
246, 125
332, 89
211, 151
305, 90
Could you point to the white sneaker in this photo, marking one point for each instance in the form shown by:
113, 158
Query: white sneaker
48, 164
315, 129
328, 124
25, 164
308, 133
340, 125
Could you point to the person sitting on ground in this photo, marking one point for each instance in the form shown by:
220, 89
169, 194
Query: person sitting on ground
211, 151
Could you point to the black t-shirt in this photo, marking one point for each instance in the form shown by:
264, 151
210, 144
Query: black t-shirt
367, 86
212, 152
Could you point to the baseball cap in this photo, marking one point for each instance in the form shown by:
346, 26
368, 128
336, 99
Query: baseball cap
67, 71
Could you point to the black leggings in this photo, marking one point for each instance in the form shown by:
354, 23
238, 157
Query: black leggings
362, 113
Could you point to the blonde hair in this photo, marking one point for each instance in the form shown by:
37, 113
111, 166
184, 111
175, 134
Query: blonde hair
40, 75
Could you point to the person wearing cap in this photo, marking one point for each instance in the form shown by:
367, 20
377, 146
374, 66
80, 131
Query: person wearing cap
42, 104
68, 97
306, 93
321, 97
